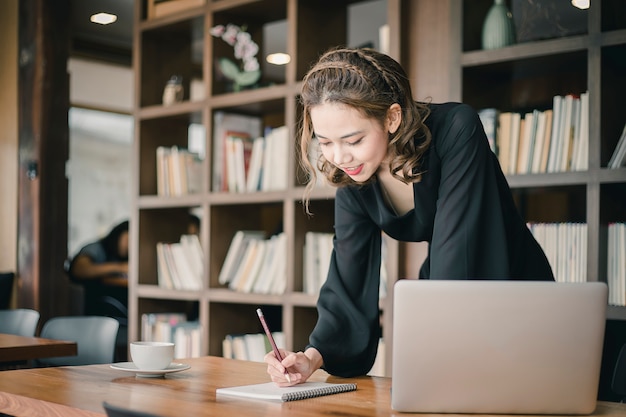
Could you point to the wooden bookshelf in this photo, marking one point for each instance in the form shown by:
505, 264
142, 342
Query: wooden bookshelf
439, 44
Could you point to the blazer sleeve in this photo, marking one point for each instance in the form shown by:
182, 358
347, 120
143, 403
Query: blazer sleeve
469, 233
347, 330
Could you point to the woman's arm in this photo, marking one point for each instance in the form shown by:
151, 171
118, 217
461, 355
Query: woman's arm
83, 267
347, 331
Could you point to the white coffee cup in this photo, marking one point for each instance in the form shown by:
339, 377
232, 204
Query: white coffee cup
151, 355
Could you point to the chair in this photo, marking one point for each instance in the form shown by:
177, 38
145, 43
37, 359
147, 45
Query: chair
116, 411
6, 289
101, 305
94, 335
19, 321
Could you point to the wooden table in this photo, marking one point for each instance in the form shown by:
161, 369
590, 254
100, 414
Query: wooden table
14, 348
80, 391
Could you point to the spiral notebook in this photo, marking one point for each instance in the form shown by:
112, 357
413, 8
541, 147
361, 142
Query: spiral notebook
270, 391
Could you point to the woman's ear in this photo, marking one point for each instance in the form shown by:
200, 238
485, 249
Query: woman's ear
394, 117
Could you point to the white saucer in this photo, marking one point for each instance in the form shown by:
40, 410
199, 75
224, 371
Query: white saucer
150, 373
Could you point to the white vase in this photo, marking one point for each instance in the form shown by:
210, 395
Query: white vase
498, 27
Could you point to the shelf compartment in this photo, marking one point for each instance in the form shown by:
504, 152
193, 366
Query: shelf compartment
613, 203
613, 15
613, 118
225, 319
304, 319
228, 219
525, 84
174, 49
149, 305
328, 23
321, 220
552, 204
176, 130
265, 22
158, 225
534, 21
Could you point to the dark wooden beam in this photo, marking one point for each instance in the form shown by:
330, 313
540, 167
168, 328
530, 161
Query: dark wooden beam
44, 41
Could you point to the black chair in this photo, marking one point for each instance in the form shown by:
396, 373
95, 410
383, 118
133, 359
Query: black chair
6, 289
116, 411
618, 382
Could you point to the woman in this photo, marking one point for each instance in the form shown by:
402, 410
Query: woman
418, 172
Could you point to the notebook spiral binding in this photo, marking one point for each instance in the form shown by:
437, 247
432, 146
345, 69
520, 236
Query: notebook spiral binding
318, 392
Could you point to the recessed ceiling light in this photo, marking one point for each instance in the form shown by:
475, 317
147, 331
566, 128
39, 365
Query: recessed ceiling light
278, 58
581, 4
103, 18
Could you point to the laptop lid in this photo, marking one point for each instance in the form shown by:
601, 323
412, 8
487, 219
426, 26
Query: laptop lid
497, 347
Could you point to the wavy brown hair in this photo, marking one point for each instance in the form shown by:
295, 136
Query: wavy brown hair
370, 82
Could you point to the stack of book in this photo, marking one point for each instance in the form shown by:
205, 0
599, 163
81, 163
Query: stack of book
172, 327
318, 248
552, 140
250, 347
179, 171
180, 265
616, 264
255, 264
244, 158
565, 246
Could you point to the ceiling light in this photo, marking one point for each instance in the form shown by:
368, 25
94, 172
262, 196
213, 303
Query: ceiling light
103, 18
581, 4
278, 58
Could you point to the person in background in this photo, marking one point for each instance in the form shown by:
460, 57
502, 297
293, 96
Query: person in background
102, 268
193, 227
416, 171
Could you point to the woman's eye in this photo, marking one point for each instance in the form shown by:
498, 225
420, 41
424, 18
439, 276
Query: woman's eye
324, 143
356, 142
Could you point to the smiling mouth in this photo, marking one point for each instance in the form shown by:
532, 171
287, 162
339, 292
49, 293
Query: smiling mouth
353, 170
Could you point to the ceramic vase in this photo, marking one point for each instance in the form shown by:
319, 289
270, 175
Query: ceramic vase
498, 27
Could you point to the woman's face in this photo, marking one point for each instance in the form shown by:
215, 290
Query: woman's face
355, 144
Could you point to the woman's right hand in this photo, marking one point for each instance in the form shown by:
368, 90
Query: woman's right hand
299, 365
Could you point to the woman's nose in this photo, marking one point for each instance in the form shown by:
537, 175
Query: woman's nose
341, 155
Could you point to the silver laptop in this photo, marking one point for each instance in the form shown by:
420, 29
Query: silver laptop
497, 347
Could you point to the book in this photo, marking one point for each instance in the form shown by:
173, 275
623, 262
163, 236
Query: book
270, 391
223, 123
618, 158
253, 179
545, 151
524, 147
555, 136
538, 143
489, 119
235, 253
275, 159
503, 139
516, 122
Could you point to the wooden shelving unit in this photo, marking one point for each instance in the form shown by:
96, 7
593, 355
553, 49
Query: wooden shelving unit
424, 35
180, 43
